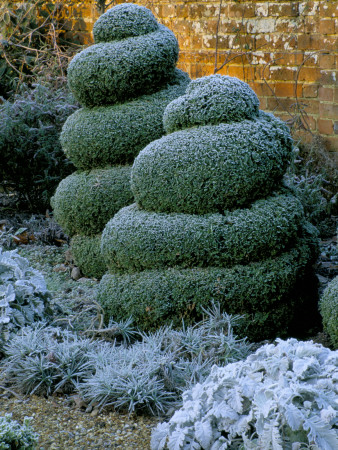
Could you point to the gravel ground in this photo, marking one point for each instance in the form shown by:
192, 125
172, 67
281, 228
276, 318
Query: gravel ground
66, 427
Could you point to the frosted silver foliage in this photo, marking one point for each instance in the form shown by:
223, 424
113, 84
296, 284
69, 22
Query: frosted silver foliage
149, 374
123, 21
210, 101
284, 396
16, 436
23, 293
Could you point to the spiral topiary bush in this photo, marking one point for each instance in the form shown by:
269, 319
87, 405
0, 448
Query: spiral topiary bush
212, 168
329, 310
259, 290
109, 72
212, 220
124, 81
87, 255
212, 101
103, 144
83, 201
136, 239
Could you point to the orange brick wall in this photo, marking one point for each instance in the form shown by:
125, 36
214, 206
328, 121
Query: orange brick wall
286, 50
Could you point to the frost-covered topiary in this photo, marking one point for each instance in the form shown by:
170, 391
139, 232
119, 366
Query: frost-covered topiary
212, 220
261, 291
110, 72
136, 239
281, 397
212, 168
84, 201
24, 297
124, 82
210, 101
16, 436
124, 21
329, 310
115, 134
86, 252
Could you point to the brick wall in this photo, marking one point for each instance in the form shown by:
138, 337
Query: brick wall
286, 50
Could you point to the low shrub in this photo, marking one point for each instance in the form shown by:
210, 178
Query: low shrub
282, 396
15, 436
85, 201
135, 239
212, 168
261, 291
329, 310
115, 134
23, 294
210, 101
87, 255
32, 161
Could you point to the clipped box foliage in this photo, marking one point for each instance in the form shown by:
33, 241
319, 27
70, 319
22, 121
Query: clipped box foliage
87, 255
210, 101
115, 134
212, 168
135, 239
113, 72
85, 201
329, 310
260, 291
123, 22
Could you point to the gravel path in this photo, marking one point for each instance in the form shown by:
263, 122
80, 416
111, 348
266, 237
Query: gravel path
64, 427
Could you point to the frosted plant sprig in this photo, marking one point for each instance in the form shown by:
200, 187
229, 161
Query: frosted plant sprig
24, 297
13, 435
282, 397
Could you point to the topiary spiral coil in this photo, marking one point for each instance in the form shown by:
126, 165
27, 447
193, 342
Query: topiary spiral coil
212, 219
124, 81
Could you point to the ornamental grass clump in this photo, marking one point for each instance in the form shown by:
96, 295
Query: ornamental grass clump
284, 396
124, 82
137, 372
213, 221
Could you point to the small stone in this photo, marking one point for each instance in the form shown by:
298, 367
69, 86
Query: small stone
76, 273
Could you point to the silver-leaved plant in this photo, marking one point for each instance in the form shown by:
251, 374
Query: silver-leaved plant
23, 293
283, 396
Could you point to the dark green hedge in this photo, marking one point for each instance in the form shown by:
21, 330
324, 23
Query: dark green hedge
210, 101
95, 137
87, 255
135, 239
114, 72
212, 168
329, 310
85, 201
123, 21
260, 291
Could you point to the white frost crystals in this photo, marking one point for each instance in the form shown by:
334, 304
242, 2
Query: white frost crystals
23, 293
284, 396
